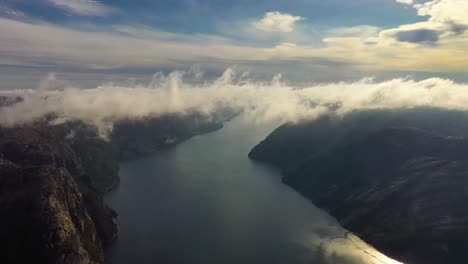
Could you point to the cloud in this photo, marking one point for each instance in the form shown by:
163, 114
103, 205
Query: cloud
407, 2
90, 8
443, 31
50, 82
258, 101
277, 22
428, 46
443, 11
283, 49
44, 44
457, 29
448, 15
424, 36
362, 31
7, 11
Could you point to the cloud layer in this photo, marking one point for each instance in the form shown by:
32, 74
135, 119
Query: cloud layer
44, 44
258, 101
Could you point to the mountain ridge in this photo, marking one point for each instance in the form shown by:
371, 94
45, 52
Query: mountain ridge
398, 182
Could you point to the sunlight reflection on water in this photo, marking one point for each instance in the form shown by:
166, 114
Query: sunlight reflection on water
205, 202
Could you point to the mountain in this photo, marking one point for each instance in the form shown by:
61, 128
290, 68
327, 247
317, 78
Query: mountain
53, 178
397, 178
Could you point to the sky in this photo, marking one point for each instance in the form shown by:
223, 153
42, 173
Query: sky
87, 42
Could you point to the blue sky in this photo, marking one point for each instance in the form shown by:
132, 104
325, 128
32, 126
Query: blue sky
90, 41
202, 16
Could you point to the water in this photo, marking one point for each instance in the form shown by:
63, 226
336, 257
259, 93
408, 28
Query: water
205, 202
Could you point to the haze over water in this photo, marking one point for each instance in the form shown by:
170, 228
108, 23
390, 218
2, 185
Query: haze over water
204, 201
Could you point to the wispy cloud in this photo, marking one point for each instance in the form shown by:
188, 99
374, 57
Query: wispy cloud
39, 44
83, 7
7, 11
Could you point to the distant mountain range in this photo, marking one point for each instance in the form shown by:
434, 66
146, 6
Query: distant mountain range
396, 178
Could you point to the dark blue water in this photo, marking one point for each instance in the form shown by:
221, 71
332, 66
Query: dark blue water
204, 201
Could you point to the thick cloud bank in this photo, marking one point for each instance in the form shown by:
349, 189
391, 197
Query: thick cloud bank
258, 101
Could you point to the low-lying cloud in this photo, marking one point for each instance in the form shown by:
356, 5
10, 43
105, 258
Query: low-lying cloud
258, 101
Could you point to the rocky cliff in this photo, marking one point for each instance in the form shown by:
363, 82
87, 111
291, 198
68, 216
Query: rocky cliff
43, 217
396, 178
53, 178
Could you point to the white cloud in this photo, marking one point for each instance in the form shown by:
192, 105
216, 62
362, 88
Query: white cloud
443, 11
83, 7
447, 21
277, 22
407, 2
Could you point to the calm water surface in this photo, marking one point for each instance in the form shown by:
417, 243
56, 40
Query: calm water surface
204, 201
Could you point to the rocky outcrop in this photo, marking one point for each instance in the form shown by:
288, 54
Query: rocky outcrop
53, 178
57, 199
396, 178
43, 218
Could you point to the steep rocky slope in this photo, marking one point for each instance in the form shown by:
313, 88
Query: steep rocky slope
396, 178
53, 178
43, 215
